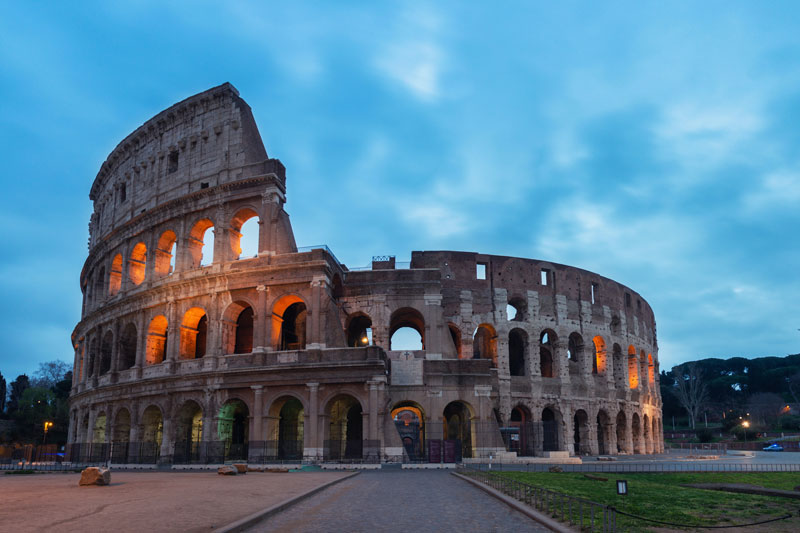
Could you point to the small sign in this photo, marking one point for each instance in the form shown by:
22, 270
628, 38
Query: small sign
622, 487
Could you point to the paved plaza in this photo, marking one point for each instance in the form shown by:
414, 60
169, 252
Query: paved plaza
400, 500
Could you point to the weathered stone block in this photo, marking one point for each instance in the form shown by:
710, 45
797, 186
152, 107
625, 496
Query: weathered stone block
94, 475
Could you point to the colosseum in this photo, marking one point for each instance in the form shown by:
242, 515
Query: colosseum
191, 351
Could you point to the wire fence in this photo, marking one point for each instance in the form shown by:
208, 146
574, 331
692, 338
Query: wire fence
585, 514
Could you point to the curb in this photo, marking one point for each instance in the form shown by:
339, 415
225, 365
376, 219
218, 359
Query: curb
247, 521
546, 521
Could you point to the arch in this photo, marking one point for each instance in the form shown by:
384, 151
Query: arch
92, 366
115, 275
127, 347
648, 442
289, 314
152, 433
233, 428
106, 349
651, 371
633, 368
455, 337
517, 351
550, 418
99, 428
547, 350
237, 323
603, 433
188, 432
622, 432
166, 251
484, 343
406, 317
137, 264
122, 427
359, 330
599, 361
457, 418
99, 282
200, 244
345, 428
581, 433
156, 349
287, 435
523, 440
244, 234
643, 369
194, 331
516, 310
409, 420
575, 353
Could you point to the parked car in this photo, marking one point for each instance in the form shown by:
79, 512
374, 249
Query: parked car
774, 447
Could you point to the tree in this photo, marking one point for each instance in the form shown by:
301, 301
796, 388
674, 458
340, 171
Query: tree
765, 407
18, 387
793, 383
2, 394
690, 389
50, 373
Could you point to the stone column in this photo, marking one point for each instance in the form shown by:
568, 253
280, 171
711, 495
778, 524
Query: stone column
261, 319
373, 410
315, 314
173, 334
258, 413
314, 448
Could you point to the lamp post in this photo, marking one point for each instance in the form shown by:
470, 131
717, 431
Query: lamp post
745, 425
47, 426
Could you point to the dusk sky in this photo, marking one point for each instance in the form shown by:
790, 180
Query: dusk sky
655, 143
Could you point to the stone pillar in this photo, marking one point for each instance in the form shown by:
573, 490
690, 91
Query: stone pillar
611, 439
90, 428
258, 413
315, 313
261, 320
166, 439
314, 448
373, 410
560, 361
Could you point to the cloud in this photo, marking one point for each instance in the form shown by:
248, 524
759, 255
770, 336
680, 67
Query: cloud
776, 190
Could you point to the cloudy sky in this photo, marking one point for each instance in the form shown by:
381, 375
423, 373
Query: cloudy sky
655, 143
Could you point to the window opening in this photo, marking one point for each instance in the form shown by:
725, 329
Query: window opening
545, 277
173, 162
594, 292
480, 272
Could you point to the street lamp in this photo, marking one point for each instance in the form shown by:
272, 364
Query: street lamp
745, 425
47, 426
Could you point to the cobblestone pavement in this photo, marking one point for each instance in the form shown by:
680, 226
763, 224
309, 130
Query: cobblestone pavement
412, 501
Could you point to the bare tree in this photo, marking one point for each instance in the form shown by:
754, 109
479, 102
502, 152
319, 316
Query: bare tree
765, 407
690, 389
50, 373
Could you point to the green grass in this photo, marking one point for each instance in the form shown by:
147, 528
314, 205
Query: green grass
19, 472
660, 496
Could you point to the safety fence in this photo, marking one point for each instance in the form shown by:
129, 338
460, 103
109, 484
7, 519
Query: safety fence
642, 468
586, 515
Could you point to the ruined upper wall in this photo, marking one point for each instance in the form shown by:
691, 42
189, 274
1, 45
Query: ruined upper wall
206, 140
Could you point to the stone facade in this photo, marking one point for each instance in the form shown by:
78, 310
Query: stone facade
290, 352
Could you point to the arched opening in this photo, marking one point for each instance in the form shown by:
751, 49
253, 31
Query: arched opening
455, 338
547, 342
603, 433
289, 325
188, 432
120, 436
201, 243
165, 253
521, 441
345, 434
115, 276
93, 364
484, 343
106, 348
549, 430
643, 369
99, 429
288, 435
599, 363
581, 433
156, 340
99, 281
194, 330
244, 234
620, 366
232, 429
515, 310
407, 330
651, 371
244, 331
409, 420
237, 328
137, 264
127, 347
457, 419
575, 354
152, 434
517, 351
636, 433
633, 368
622, 432
359, 330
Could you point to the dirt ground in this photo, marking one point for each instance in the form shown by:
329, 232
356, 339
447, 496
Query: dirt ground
145, 501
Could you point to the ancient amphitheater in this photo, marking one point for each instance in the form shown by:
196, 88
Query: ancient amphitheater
189, 352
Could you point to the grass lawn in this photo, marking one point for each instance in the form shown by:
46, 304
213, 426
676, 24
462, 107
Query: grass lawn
660, 497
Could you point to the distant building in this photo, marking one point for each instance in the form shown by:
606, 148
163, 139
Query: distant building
187, 351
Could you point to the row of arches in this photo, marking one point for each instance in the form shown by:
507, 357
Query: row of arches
136, 264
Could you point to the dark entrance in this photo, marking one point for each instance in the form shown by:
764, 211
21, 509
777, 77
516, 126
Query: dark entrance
549, 431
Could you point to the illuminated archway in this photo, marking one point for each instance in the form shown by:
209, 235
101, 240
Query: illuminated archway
633, 368
115, 276
137, 264
484, 343
165, 253
201, 243
238, 328
600, 359
244, 232
345, 428
233, 428
409, 420
359, 330
156, 340
289, 323
194, 330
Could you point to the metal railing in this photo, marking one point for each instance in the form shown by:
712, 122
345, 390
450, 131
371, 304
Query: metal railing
585, 514
643, 468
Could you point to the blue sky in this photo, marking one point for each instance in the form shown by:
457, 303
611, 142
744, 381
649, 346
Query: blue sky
655, 143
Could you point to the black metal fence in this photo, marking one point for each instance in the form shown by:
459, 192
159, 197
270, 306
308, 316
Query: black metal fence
585, 514
644, 468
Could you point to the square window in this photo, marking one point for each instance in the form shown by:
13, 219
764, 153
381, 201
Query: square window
173, 162
480, 272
